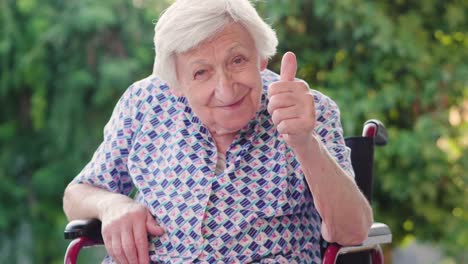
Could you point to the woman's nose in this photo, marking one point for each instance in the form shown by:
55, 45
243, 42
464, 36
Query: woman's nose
225, 90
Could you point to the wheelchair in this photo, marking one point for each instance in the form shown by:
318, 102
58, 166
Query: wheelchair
87, 232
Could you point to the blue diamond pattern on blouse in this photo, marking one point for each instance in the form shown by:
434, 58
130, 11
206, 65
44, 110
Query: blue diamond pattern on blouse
259, 209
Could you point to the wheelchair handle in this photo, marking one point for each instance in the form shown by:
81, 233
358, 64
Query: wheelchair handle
375, 129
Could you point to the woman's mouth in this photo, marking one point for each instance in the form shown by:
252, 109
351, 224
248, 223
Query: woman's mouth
234, 105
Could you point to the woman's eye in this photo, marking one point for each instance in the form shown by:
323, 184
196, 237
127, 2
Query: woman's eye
238, 60
199, 74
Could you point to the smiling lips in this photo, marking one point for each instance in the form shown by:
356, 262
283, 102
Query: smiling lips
234, 105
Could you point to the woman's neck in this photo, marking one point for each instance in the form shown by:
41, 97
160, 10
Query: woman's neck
223, 141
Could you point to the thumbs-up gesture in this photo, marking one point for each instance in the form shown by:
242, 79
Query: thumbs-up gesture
291, 105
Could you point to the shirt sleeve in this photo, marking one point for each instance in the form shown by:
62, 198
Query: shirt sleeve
328, 127
108, 167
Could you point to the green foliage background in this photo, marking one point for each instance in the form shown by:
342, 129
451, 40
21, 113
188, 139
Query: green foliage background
64, 64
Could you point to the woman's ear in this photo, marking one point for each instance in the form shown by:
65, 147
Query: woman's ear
263, 64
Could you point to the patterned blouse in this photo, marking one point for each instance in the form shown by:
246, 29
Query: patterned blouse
258, 210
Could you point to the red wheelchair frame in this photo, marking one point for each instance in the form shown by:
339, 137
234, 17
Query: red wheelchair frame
87, 233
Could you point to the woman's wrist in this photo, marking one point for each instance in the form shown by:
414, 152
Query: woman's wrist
108, 201
312, 148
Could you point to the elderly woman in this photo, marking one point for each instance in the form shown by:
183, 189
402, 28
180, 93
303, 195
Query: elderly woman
228, 161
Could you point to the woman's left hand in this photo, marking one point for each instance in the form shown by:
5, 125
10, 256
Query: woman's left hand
291, 105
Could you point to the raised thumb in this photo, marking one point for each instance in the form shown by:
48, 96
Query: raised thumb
288, 67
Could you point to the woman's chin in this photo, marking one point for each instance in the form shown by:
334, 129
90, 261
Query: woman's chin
222, 131
225, 129
229, 124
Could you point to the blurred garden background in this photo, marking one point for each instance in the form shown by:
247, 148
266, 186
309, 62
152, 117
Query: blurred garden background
64, 64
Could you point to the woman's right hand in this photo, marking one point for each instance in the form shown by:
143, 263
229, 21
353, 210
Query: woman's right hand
125, 228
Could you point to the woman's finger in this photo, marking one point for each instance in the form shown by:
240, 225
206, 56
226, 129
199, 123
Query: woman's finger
294, 127
281, 101
283, 114
140, 236
108, 243
118, 253
152, 226
128, 245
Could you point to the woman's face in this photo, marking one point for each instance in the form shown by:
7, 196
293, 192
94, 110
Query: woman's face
221, 79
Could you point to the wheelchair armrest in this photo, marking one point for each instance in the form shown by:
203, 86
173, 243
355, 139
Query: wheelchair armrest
90, 228
378, 234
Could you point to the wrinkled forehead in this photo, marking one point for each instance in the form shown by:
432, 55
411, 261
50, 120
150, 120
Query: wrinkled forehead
230, 38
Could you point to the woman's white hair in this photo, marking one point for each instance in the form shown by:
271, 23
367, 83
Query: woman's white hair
188, 23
